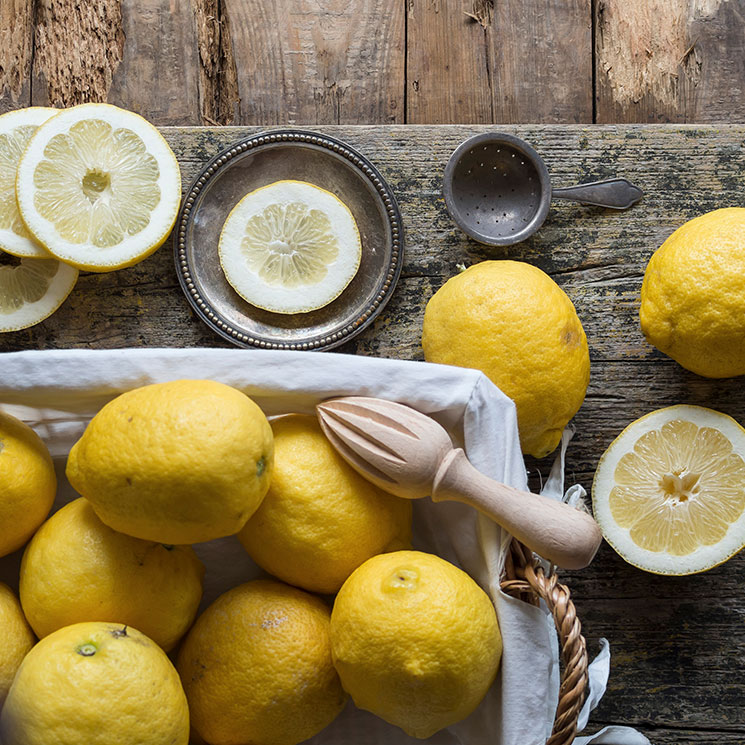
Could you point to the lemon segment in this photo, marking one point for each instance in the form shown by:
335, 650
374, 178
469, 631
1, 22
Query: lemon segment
16, 129
290, 247
669, 493
32, 290
98, 187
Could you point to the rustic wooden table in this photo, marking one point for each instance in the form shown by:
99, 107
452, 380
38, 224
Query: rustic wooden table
677, 643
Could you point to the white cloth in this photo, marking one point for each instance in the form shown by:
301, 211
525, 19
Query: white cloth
57, 392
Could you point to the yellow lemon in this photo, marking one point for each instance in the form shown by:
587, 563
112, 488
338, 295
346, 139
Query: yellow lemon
290, 247
17, 639
257, 667
77, 569
98, 684
669, 492
693, 295
415, 640
175, 463
98, 187
514, 323
320, 519
28, 486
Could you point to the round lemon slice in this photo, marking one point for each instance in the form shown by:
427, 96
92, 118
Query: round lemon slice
16, 129
290, 247
98, 187
31, 290
669, 492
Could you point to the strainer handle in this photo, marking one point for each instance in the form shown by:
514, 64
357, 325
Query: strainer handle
616, 193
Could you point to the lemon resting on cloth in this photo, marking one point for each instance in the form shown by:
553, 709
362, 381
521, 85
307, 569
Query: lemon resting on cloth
669, 492
320, 519
290, 247
176, 463
415, 640
98, 684
693, 295
17, 639
77, 569
514, 323
29, 483
256, 667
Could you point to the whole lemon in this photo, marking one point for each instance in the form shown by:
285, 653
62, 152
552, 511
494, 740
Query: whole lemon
17, 639
257, 667
77, 569
514, 323
320, 519
693, 295
28, 484
415, 640
98, 684
176, 463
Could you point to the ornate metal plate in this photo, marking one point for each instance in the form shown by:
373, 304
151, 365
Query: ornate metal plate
260, 160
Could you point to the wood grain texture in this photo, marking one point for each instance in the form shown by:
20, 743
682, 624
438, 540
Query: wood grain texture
677, 643
308, 61
77, 49
506, 61
670, 60
16, 49
158, 73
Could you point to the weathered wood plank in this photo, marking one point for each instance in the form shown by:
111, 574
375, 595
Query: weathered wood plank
670, 60
675, 641
509, 61
158, 74
77, 49
16, 49
309, 61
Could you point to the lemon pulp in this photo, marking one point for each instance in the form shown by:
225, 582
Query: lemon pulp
670, 496
290, 247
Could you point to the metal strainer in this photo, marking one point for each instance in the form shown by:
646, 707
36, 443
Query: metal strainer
498, 191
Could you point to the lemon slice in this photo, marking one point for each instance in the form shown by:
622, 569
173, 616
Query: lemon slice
16, 129
98, 187
290, 247
669, 492
31, 290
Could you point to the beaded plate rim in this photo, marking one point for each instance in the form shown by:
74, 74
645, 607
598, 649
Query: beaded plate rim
216, 321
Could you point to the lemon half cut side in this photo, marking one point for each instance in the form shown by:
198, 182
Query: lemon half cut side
669, 492
16, 129
290, 247
31, 290
98, 187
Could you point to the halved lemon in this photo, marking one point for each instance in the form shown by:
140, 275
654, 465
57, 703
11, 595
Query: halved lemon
31, 290
669, 492
98, 187
290, 247
16, 129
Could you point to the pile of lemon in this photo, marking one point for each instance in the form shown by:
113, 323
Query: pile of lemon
110, 584
92, 187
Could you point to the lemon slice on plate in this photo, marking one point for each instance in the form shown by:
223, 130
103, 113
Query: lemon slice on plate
16, 129
98, 187
290, 247
31, 290
669, 492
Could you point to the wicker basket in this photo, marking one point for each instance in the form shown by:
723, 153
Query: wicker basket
526, 580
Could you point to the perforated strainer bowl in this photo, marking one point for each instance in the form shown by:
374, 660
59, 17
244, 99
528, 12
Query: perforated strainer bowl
498, 191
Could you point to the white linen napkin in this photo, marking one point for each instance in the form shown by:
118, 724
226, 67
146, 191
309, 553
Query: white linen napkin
57, 392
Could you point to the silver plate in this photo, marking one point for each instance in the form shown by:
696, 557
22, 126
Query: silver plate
263, 159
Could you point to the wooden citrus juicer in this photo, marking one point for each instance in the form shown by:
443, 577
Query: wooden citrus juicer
410, 455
